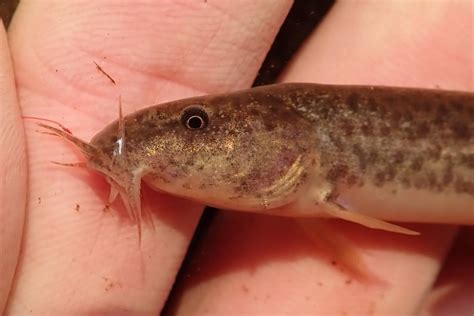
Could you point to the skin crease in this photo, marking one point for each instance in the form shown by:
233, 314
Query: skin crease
107, 256
12, 173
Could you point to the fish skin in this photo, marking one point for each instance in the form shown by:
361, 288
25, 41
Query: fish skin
285, 149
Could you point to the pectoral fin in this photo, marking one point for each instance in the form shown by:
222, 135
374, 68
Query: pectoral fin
321, 202
336, 211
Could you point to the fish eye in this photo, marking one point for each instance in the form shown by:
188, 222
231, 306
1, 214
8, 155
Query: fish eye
194, 118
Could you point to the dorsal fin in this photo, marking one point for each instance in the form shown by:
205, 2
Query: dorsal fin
120, 144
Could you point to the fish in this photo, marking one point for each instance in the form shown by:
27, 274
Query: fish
372, 155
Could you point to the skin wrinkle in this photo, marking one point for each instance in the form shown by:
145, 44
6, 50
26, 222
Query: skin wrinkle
171, 77
245, 26
182, 70
45, 93
13, 177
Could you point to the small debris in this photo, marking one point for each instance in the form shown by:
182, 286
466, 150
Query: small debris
103, 71
109, 284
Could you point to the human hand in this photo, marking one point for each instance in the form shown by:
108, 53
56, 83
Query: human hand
80, 258
12, 173
77, 255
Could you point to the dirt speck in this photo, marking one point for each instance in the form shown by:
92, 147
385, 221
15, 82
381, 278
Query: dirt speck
109, 284
100, 69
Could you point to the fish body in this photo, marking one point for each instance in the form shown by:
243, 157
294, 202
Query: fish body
299, 149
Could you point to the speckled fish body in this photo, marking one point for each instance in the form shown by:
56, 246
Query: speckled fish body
300, 150
394, 153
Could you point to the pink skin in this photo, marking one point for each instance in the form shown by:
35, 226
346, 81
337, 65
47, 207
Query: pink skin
12, 173
77, 259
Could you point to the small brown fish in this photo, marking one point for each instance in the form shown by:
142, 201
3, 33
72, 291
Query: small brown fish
302, 150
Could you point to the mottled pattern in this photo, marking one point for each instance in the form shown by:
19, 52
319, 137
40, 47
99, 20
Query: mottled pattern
264, 145
255, 149
416, 138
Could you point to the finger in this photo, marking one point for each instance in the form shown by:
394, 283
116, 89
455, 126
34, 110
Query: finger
390, 43
452, 292
77, 250
12, 173
266, 265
